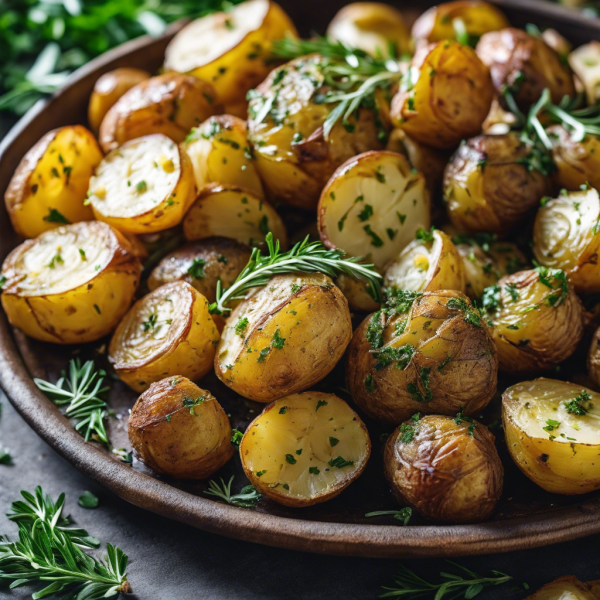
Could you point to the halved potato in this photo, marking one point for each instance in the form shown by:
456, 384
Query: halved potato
565, 588
220, 153
373, 205
168, 332
429, 263
305, 449
180, 430
585, 62
234, 212
230, 49
566, 236
284, 338
144, 186
552, 432
49, 186
71, 284
593, 358
170, 104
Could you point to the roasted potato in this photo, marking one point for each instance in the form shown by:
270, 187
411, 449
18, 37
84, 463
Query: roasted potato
593, 359
526, 65
429, 353
284, 338
429, 263
49, 186
447, 468
71, 284
566, 236
230, 49
536, 319
144, 186
373, 204
565, 588
498, 121
168, 332
108, 89
234, 212
488, 185
170, 104
585, 62
553, 434
357, 293
180, 430
305, 449
444, 97
378, 29
295, 156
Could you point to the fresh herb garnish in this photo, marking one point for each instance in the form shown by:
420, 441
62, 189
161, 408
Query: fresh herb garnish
247, 498
580, 405
471, 315
340, 462
403, 515
241, 326
88, 500
196, 269
460, 418
192, 402
236, 437
421, 396
54, 216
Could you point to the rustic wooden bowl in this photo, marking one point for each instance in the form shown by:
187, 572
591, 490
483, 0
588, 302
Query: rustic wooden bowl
527, 517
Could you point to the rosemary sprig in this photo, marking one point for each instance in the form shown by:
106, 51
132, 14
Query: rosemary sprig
247, 498
81, 391
304, 257
403, 515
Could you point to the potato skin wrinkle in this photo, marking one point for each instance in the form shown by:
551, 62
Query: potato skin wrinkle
305, 310
180, 430
445, 471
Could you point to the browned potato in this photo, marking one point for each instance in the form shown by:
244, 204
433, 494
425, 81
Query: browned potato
565, 588
108, 89
593, 359
526, 65
284, 337
305, 449
447, 468
357, 294
180, 430
488, 185
428, 353
170, 104
585, 62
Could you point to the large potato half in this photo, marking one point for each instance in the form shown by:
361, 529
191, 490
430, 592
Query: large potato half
565, 588
71, 284
230, 49
284, 338
144, 186
447, 468
552, 432
428, 353
180, 430
168, 332
585, 62
305, 449
373, 205
49, 186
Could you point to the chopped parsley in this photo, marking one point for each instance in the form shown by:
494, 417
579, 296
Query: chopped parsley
290, 459
241, 326
192, 402
54, 216
471, 315
263, 354
369, 383
407, 433
460, 418
283, 410
196, 269
141, 186
236, 437
277, 340
340, 462
313, 470
551, 425
366, 213
375, 239
423, 235
580, 405
421, 396
333, 441
321, 403
150, 323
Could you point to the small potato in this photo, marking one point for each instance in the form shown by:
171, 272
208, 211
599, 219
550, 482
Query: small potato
565, 588
144, 186
170, 104
536, 318
70, 285
357, 294
202, 264
553, 434
373, 204
284, 337
498, 121
429, 263
180, 430
585, 62
49, 186
444, 97
488, 186
526, 65
428, 353
234, 212
305, 449
446, 468
378, 29
593, 359
108, 89
220, 153
168, 332
566, 236
230, 49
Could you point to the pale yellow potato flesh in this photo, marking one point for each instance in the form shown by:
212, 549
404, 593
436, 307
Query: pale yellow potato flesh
565, 588
585, 62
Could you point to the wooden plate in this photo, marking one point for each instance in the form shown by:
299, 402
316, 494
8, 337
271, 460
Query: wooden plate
526, 517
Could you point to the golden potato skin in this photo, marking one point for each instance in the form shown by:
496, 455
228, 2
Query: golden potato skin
170, 104
305, 310
180, 430
568, 587
108, 89
452, 364
445, 97
356, 293
487, 189
447, 471
593, 359
53, 176
585, 61
526, 64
